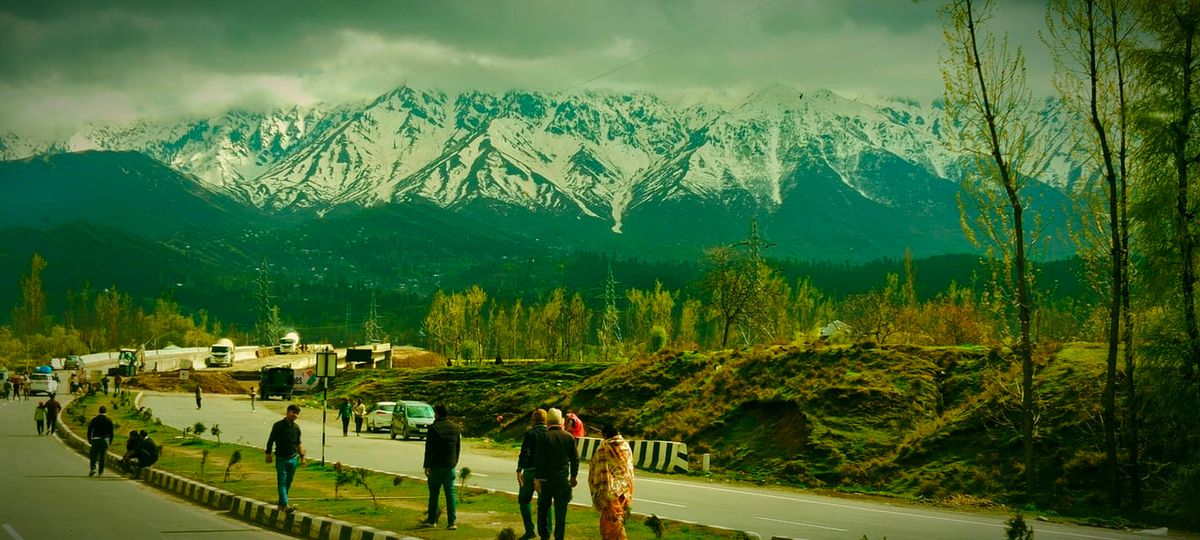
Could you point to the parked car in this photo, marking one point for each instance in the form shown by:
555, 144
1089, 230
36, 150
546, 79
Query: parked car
43, 383
72, 362
411, 419
379, 416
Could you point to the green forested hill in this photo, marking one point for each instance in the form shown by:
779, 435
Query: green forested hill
933, 423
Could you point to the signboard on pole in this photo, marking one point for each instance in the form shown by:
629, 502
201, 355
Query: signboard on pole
326, 364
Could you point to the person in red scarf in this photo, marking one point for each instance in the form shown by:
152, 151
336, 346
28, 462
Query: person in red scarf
574, 426
610, 478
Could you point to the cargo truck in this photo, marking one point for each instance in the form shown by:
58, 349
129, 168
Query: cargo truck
221, 353
288, 344
276, 381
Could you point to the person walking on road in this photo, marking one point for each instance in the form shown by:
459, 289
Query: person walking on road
52, 408
39, 416
610, 480
556, 464
442, 444
100, 435
360, 412
344, 413
197, 392
289, 453
117, 384
525, 471
8, 387
104, 384
251, 399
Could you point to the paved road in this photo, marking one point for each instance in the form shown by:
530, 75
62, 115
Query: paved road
768, 512
47, 494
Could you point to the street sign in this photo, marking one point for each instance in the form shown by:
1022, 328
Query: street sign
326, 363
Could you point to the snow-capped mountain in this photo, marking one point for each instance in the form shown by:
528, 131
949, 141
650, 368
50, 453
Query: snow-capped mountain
600, 157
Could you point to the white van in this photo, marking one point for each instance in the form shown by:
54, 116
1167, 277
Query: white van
42, 383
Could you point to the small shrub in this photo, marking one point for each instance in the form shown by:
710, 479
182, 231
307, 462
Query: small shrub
216, 431
463, 475
203, 462
233, 460
1016, 528
199, 428
507, 534
656, 526
658, 339
342, 476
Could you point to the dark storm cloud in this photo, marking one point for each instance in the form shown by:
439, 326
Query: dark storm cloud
67, 62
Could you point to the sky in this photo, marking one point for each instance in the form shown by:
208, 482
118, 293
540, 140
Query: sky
66, 63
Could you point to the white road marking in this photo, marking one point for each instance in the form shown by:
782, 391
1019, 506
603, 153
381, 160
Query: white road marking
800, 524
875, 510
640, 500
12, 532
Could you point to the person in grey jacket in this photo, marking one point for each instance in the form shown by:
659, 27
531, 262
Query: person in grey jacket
442, 444
556, 464
100, 435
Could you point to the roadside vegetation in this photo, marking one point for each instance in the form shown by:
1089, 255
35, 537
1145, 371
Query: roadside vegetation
344, 492
927, 424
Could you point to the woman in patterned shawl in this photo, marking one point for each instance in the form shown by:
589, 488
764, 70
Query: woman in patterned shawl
610, 478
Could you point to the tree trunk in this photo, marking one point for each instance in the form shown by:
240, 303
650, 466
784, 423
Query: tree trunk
1182, 214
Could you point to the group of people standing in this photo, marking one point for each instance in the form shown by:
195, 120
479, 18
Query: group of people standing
345, 411
548, 465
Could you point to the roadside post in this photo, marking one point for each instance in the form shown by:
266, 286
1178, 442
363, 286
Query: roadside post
326, 369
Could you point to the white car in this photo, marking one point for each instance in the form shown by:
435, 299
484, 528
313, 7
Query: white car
379, 416
42, 383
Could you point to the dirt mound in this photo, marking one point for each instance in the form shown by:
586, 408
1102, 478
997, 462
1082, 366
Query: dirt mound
170, 381
416, 359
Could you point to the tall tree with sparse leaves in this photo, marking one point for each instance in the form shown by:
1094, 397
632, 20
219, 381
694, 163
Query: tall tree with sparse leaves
988, 101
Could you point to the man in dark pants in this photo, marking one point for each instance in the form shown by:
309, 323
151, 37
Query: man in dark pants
556, 464
100, 435
289, 453
52, 409
525, 471
442, 444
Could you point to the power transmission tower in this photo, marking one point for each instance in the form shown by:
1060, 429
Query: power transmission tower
610, 325
269, 325
371, 325
755, 243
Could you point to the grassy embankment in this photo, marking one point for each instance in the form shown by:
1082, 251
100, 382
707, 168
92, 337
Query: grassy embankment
920, 423
397, 508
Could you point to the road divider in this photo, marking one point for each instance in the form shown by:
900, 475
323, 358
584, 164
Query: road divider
666, 456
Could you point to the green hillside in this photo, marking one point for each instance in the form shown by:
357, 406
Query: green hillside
922, 423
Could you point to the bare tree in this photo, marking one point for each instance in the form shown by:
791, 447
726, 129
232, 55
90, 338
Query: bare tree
1088, 40
989, 102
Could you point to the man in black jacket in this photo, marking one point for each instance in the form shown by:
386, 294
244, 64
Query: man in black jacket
100, 435
525, 471
442, 444
556, 464
289, 453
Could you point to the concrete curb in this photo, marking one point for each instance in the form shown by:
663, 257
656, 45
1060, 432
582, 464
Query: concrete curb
306, 525
254, 511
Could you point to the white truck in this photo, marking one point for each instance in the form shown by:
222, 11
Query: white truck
289, 344
221, 353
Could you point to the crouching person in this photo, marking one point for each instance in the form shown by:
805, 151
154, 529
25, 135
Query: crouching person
140, 452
